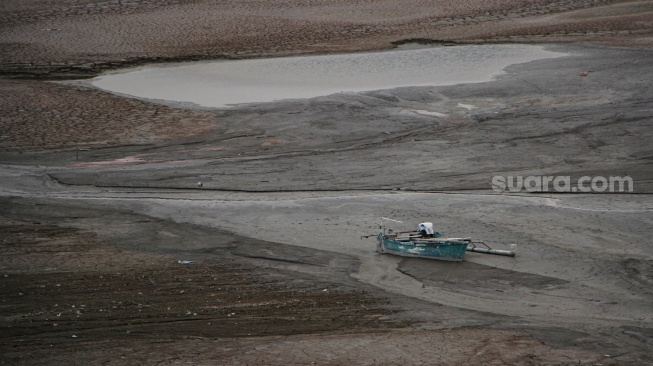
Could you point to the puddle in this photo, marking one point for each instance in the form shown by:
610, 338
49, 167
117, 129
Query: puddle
224, 83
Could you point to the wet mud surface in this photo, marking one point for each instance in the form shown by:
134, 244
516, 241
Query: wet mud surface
64, 287
107, 286
101, 196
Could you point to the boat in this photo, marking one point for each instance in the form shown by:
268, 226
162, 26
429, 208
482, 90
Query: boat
425, 243
413, 244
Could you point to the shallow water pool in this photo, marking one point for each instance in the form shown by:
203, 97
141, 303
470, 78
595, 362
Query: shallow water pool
224, 83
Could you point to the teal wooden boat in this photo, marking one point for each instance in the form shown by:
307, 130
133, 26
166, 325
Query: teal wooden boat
413, 244
425, 243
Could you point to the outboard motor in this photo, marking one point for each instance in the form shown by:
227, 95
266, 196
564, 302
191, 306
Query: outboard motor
426, 229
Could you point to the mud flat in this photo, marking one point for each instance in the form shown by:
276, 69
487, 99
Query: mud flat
100, 201
284, 190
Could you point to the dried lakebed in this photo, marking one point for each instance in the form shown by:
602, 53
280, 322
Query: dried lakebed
286, 173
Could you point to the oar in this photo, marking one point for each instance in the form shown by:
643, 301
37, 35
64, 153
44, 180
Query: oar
489, 250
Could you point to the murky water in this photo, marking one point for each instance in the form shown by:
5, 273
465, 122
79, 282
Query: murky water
224, 83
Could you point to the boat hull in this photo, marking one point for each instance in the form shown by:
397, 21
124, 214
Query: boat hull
433, 249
